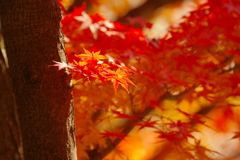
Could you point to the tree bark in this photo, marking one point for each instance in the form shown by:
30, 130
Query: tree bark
10, 135
33, 39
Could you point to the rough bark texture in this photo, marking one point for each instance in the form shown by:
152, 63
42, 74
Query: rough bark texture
10, 136
43, 94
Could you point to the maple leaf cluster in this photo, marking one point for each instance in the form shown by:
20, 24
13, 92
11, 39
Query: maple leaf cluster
90, 66
197, 60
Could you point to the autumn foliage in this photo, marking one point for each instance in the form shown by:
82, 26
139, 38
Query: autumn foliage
174, 88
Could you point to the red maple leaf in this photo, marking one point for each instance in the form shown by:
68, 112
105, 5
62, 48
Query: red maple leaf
113, 135
195, 117
146, 123
172, 136
184, 128
125, 116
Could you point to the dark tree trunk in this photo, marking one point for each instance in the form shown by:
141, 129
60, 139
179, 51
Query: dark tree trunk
10, 136
32, 36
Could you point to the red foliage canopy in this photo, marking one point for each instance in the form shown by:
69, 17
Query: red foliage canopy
200, 58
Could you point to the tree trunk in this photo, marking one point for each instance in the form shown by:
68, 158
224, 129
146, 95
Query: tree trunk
10, 135
33, 39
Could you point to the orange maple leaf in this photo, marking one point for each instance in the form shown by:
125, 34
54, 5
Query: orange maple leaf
120, 77
91, 55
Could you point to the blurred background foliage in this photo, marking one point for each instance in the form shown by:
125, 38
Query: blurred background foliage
161, 13
143, 144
